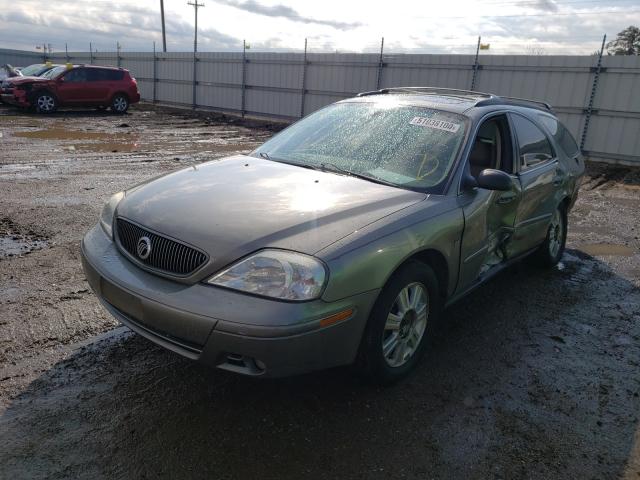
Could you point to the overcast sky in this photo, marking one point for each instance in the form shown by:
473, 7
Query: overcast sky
509, 26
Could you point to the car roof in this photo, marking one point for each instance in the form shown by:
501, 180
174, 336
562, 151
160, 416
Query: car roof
102, 67
448, 99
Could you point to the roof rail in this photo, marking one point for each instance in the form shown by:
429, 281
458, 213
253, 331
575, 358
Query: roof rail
425, 90
520, 102
486, 98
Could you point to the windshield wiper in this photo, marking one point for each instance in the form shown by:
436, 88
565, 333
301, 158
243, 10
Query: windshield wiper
332, 167
265, 155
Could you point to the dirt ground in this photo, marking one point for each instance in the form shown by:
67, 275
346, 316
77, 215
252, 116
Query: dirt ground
535, 375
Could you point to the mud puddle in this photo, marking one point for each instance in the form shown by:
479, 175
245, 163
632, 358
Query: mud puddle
600, 249
14, 242
92, 141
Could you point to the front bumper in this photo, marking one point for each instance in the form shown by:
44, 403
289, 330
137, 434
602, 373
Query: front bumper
223, 328
16, 97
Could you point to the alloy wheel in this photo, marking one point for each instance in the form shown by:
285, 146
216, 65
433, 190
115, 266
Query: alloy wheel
555, 234
405, 324
120, 104
46, 103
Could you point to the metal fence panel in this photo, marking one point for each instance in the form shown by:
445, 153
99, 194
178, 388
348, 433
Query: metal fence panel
273, 84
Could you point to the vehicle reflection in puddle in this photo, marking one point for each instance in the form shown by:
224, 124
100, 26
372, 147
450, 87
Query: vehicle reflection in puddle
600, 249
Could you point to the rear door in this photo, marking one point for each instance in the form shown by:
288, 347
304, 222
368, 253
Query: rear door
540, 175
99, 84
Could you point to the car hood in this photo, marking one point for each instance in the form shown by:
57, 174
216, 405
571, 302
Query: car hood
235, 206
21, 80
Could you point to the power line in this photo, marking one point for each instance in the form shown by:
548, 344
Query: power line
553, 14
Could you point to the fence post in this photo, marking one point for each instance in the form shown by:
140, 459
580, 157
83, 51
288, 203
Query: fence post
380, 65
66, 52
304, 79
155, 73
90, 54
195, 76
594, 89
475, 66
244, 74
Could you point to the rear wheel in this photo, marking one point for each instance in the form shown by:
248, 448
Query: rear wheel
45, 103
551, 250
120, 104
401, 324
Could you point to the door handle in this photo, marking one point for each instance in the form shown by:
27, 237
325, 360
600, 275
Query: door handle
506, 198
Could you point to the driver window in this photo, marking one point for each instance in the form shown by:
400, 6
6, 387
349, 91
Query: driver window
491, 147
76, 75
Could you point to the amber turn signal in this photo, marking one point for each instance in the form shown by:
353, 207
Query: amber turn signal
336, 317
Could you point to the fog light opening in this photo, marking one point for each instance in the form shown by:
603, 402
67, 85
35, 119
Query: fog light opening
243, 364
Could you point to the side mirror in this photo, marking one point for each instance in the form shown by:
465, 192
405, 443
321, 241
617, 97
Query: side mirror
492, 179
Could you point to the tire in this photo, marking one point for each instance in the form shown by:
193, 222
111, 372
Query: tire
120, 104
381, 358
550, 251
45, 102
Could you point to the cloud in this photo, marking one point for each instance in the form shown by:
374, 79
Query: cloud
284, 11
546, 5
135, 28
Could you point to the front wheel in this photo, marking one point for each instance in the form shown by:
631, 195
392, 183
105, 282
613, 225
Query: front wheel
401, 324
120, 104
551, 250
45, 103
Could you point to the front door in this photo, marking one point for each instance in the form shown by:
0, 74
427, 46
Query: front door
72, 87
489, 216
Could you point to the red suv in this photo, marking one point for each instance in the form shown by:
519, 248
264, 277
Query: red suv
75, 86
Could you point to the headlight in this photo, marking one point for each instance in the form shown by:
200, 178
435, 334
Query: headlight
275, 273
106, 217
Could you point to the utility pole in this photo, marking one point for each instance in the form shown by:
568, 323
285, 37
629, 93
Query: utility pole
164, 36
195, 6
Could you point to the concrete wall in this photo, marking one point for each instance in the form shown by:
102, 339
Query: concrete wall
284, 86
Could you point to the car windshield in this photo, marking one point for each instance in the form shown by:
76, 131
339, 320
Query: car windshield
55, 72
405, 146
32, 70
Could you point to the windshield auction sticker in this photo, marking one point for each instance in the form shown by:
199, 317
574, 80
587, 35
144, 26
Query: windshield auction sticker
432, 123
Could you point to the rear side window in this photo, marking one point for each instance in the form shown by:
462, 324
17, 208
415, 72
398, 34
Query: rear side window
105, 75
534, 147
561, 135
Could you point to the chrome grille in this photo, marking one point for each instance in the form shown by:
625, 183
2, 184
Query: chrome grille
166, 255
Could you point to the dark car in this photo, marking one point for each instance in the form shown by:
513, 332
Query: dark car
341, 239
36, 69
75, 86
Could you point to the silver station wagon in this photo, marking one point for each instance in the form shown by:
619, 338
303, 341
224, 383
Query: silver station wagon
342, 239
